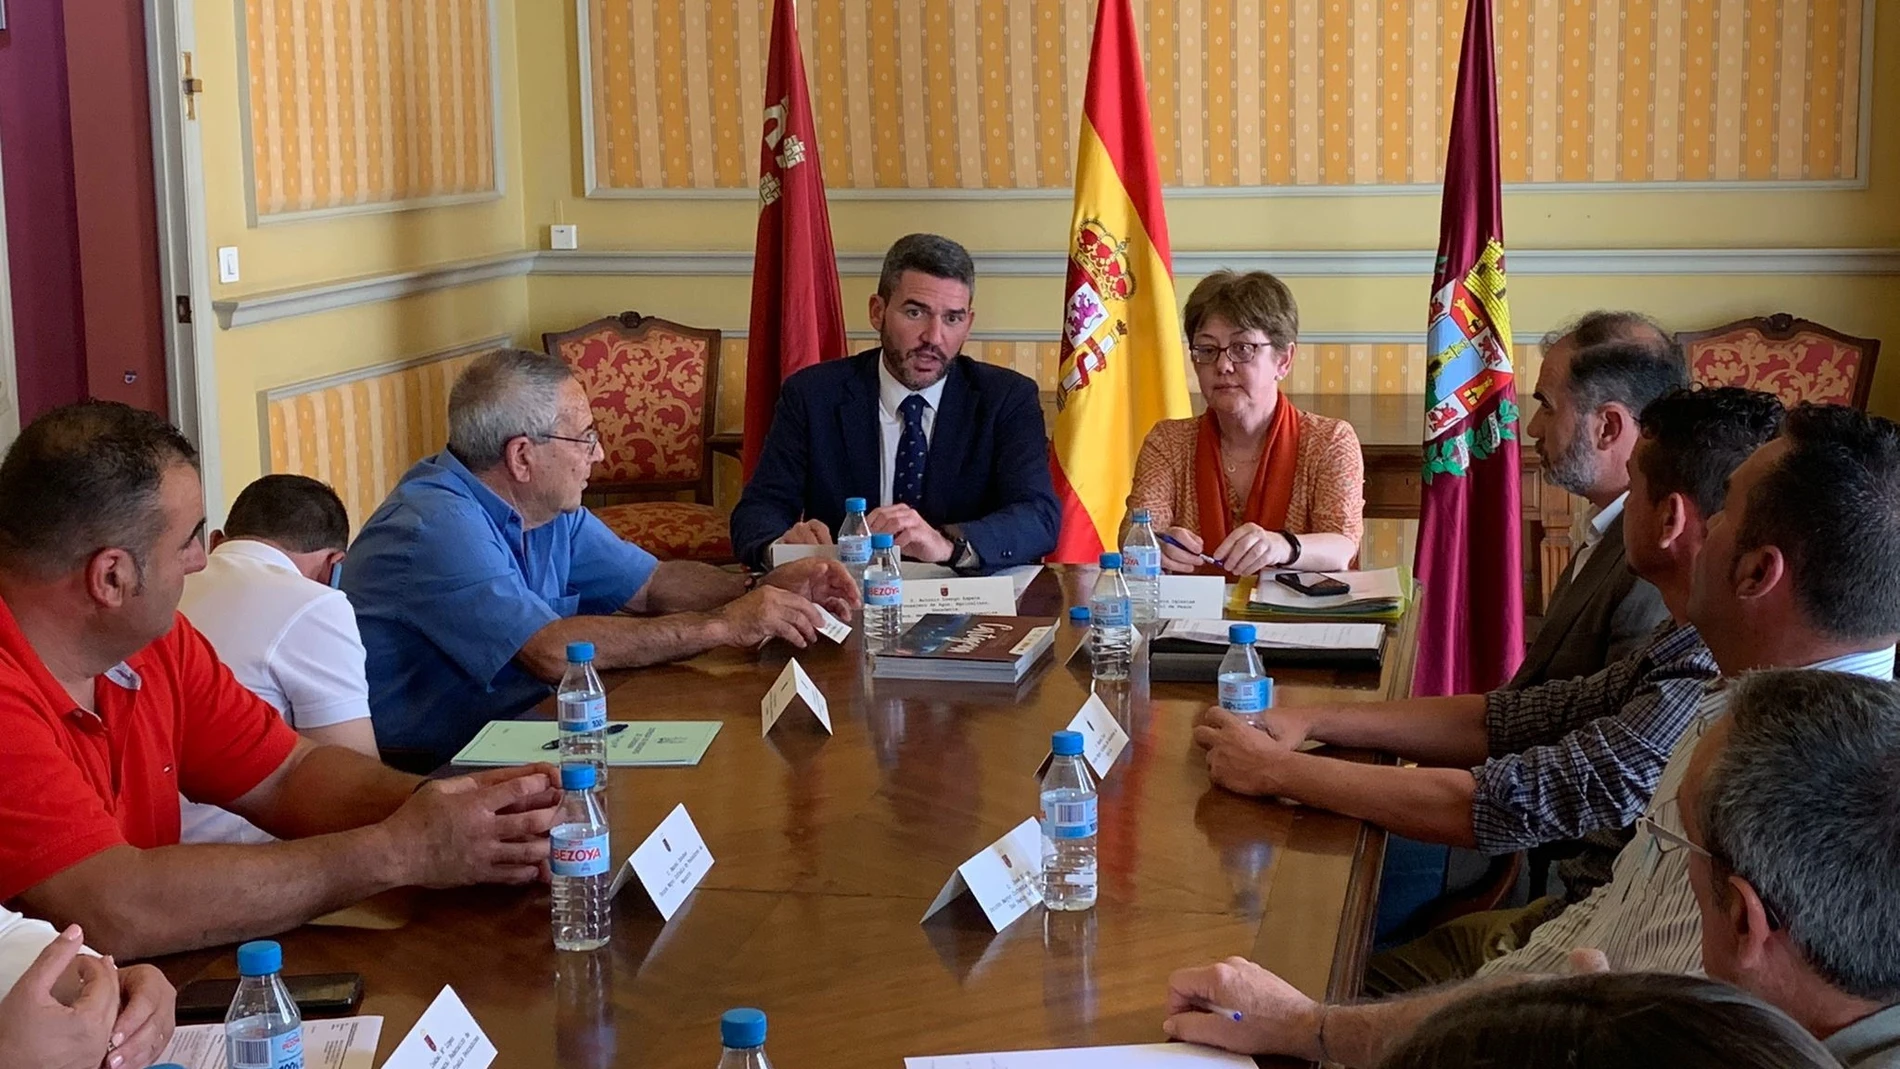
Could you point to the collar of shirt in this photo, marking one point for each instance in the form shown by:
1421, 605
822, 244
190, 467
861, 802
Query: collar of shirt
891, 393
14, 646
499, 512
1589, 528
1874, 664
1870, 1041
267, 555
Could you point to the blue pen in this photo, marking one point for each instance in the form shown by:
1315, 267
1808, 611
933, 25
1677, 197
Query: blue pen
1222, 1011
1176, 543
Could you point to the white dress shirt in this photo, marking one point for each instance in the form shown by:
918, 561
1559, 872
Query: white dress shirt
291, 641
1589, 531
890, 422
1645, 919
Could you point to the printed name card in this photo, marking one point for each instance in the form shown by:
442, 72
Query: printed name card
1191, 597
669, 864
792, 685
1005, 878
831, 627
1103, 739
990, 595
784, 553
446, 1037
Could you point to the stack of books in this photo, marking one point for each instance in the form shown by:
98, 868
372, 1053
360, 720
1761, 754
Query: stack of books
1373, 597
968, 649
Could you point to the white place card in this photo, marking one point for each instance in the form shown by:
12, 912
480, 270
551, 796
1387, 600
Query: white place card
1005, 877
669, 864
989, 595
783, 553
1191, 597
446, 1037
1103, 739
831, 627
792, 685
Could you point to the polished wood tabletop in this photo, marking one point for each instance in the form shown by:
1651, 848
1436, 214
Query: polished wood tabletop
829, 848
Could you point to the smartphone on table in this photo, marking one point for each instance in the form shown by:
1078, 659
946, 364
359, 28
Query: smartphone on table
1313, 584
316, 995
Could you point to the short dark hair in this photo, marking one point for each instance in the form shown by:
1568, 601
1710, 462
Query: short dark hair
1607, 325
1800, 802
1831, 505
1625, 371
1611, 1021
1700, 436
938, 257
294, 512
83, 478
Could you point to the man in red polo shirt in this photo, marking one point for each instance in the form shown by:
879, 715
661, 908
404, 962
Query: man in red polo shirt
112, 705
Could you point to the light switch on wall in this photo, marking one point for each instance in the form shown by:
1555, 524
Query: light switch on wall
564, 236
227, 264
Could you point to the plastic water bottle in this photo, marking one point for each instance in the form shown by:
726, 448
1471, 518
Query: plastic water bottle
1110, 621
742, 1034
883, 596
854, 539
1141, 564
1068, 827
264, 1028
1245, 689
583, 712
581, 864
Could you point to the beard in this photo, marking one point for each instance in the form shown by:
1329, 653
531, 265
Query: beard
898, 362
1571, 471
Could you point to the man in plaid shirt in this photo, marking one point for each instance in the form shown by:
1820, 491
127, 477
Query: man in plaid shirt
1514, 769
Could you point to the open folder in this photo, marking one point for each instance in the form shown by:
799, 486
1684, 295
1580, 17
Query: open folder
655, 743
1191, 650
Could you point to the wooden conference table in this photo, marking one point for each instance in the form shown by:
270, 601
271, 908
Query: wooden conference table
828, 849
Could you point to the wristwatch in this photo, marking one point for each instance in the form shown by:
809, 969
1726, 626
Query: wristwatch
1294, 541
963, 557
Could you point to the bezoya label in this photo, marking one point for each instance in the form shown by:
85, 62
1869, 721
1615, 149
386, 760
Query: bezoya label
1111, 612
1070, 819
283, 1051
581, 855
589, 714
854, 549
884, 591
1142, 562
1245, 695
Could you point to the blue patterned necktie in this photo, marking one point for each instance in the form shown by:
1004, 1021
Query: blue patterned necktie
907, 482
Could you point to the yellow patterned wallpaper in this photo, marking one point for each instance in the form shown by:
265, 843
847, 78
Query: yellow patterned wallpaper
985, 94
367, 102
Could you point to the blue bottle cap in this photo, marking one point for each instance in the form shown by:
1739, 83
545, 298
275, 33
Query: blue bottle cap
168, 1065
580, 652
577, 777
1142, 516
1111, 562
1080, 614
1242, 634
260, 958
882, 541
854, 504
1066, 743
742, 1029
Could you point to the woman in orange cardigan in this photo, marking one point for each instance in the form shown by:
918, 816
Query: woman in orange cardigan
1254, 483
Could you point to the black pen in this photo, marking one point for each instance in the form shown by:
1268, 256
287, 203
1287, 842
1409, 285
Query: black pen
614, 728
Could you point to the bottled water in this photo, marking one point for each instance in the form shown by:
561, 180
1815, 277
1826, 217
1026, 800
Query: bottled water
1245, 689
742, 1034
854, 539
1068, 827
263, 1029
583, 712
883, 596
1110, 628
1141, 564
581, 865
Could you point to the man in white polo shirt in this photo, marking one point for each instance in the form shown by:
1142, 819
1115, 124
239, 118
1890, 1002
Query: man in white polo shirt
267, 601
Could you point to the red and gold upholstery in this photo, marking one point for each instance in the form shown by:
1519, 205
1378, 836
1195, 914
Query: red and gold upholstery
1795, 359
653, 385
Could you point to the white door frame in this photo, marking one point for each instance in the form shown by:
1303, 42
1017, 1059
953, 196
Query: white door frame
9, 381
184, 272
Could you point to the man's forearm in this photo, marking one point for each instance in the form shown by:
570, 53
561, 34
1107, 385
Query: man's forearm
621, 641
330, 789
688, 586
1361, 1035
1447, 731
194, 896
1428, 804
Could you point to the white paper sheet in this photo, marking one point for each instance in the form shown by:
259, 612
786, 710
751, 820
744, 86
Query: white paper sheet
1315, 636
1162, 1055
341, 1043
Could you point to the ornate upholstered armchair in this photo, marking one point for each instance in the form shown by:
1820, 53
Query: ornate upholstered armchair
653, 385
1796, 359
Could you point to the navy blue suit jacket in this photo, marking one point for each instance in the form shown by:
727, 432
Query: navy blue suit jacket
988, 469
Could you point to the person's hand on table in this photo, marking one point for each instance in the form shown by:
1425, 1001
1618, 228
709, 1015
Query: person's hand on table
915, 538
147, 1014
1182, 561
826, 582
807, 533
1275, 1018
1240, 757
38, 1030
770, 611
1250, 549
489, 827
1288, 727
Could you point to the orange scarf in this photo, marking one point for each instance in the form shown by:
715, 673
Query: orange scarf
1272, 479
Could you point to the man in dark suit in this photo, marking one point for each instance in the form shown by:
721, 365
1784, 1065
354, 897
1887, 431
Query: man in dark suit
950, 452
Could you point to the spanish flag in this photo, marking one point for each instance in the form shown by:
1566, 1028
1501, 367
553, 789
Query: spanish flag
1122, 367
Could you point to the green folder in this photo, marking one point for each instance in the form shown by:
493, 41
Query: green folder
654, 743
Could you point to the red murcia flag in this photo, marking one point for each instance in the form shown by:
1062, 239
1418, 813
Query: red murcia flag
797, 316
1471, 631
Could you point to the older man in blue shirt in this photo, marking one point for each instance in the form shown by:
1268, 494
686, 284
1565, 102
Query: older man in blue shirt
472, 578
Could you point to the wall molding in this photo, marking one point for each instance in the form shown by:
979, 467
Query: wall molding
1415, 189
250, 309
